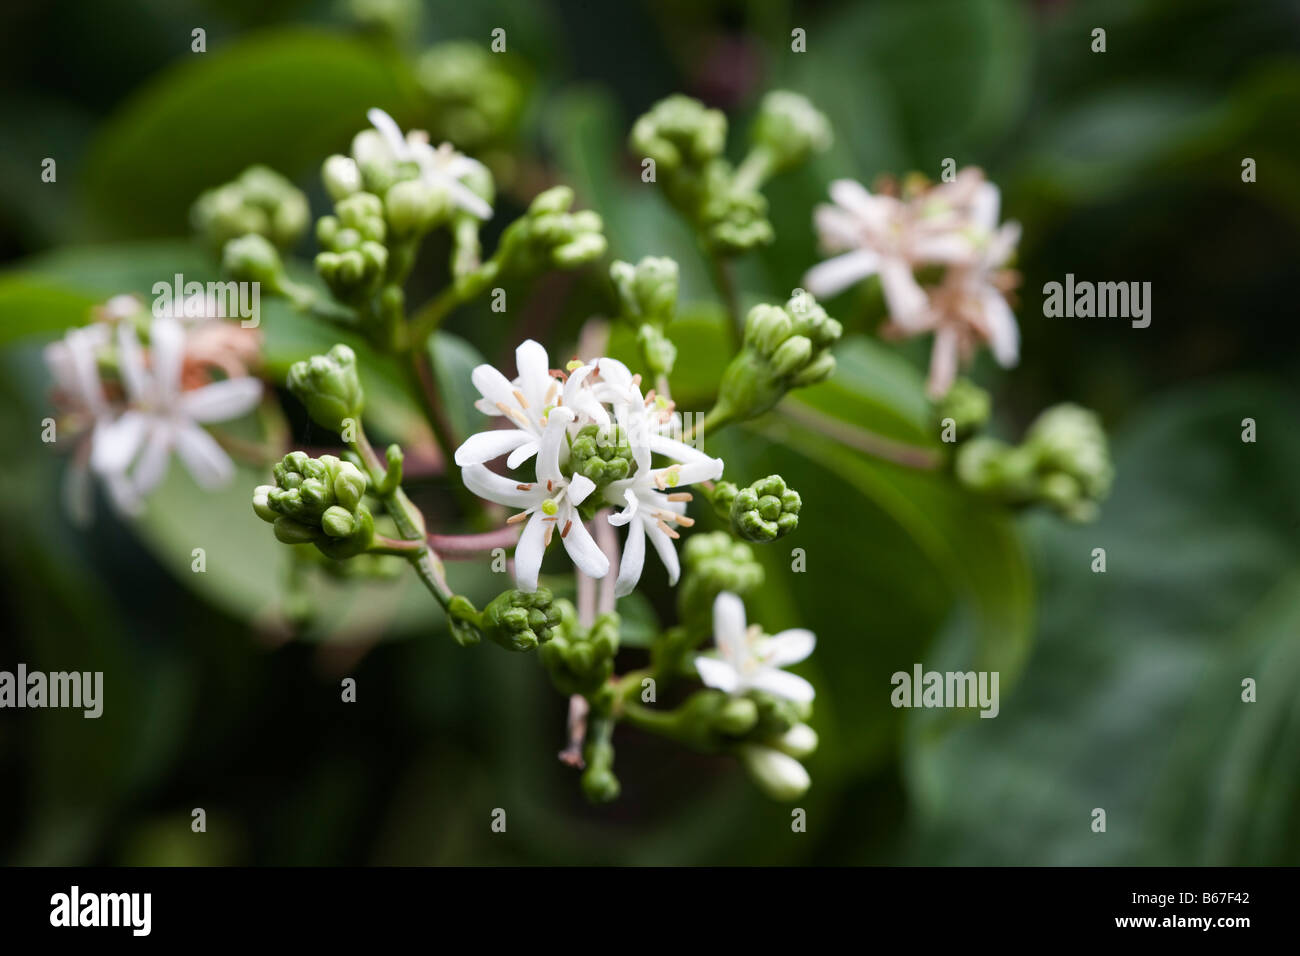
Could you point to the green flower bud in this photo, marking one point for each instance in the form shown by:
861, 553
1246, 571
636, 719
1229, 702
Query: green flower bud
474, 100
520, 620
578, 660
647, 292
329, 387
252, 258
790, 129
658, 350
259, 201
414, 207
317, 501
341, 177
778, 775
968, 405
601, 453
679, 131
784, 348
713, 563
736, 717
766, 510
549, 236
800, 741
598, 780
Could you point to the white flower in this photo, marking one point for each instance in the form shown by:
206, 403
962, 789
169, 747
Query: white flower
163, 416
442, 167
746, 660
526, 402
549, 504
651, 509
73, 363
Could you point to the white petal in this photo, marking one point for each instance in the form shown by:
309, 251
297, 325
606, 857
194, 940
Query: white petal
391, 132
533, 364
521, 454
494, 387
151, 469
783, 684
717, 674
166, 353
855, 197
904, 295
504, 491
667, 551
835, 275
553, 437
580, 487
943, 361
222, 401
788, 647
484, 446
116, 443
468, 200
629, 569
528, 553
728, 618
985, 207
584, 550
675, 476
130, 361
1003, 333
206, 460
619, 492
679, 451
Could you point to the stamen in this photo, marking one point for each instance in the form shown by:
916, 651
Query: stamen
550, 529
515, 519
519, 397
681, 496
684, 521
667, 530
524, 487
567, 525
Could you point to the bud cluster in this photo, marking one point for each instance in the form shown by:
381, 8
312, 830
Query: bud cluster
259, 201
317, 501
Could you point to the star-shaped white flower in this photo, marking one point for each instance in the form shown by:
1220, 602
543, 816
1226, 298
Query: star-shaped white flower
442, 167
73, 363
888, 236
651, 508
526, 401
747, 660
549, 504
162, 416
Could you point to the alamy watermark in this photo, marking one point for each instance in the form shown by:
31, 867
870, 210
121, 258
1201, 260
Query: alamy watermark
208, 300
923, 688
22, 688
1101, 300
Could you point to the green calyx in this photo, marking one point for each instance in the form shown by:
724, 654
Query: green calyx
549, 236
260, 201
764, 511
317, 501
253, 258
580, 660
329, 387
601, 453
784, 347
1064, 462
474, 100
964, 410
516, 620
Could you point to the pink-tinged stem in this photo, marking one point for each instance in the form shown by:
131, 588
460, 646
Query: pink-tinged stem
459, 547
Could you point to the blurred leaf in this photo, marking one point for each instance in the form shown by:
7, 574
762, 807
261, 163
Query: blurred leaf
286, 98
35, 307
453, 360
1132, 702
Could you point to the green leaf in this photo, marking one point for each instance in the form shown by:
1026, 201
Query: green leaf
1132, 702
286, 98
34, 307
453, 359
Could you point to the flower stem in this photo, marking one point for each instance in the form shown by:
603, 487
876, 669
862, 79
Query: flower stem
460, 546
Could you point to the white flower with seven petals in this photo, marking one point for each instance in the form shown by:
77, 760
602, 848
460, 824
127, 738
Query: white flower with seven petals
748, 660
443, 167
163, 416
550, 505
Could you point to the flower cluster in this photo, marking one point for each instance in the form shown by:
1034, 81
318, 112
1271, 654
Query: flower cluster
952, 226
130, 403
592, 437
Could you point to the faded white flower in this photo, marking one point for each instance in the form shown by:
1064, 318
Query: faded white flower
748, 660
